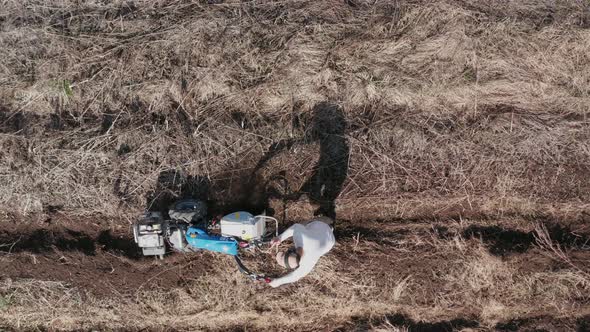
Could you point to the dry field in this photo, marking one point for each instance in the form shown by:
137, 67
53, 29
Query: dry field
451, 139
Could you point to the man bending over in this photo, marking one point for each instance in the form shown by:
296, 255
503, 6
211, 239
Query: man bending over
311, 241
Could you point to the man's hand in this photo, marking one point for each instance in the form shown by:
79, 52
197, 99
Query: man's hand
273, 284
275, 242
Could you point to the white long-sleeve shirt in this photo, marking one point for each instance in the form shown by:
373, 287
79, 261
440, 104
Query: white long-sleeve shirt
316, 239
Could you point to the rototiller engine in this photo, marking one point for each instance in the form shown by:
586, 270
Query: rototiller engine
189, 230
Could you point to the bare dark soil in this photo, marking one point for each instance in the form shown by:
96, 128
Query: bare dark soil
104, 261
537, 323
96, 260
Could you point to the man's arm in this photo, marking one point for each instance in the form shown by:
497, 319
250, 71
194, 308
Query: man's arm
289, 232
297, 274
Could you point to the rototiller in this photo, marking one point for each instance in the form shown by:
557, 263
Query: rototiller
189, 230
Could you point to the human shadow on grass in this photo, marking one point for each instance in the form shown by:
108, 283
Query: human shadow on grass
327, 126
235, 190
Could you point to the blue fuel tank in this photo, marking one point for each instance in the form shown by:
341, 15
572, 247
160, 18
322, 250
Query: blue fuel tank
198, 238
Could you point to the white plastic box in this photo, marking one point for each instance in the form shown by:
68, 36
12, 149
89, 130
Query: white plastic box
243, 225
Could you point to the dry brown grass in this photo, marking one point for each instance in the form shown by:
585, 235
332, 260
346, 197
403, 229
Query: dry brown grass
469, 283
453, 109
450, 107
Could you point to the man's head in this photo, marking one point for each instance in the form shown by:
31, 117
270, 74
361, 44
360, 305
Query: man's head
289, 259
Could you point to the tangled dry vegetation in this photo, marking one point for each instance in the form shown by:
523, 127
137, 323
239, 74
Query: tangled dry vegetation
460, 285
455, 111
482, 107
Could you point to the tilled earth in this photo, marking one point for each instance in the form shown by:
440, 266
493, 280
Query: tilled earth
99, 260
102, 261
